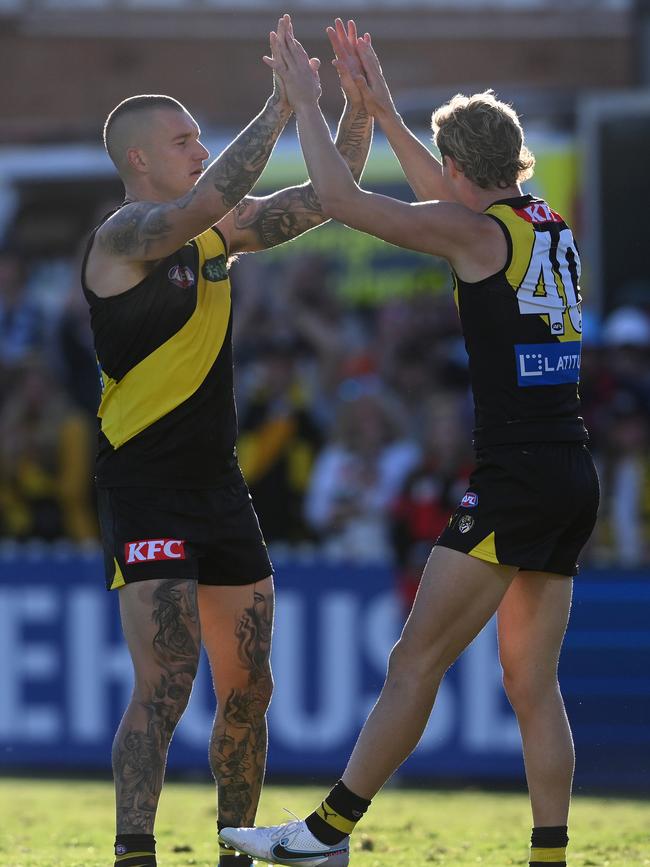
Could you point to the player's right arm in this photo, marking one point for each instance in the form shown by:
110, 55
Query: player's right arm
142, 232
423, 171
146, 231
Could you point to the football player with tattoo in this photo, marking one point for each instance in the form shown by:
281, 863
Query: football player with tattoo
511, 547
181, 539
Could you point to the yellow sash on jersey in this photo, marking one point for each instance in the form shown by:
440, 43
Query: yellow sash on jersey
175, 370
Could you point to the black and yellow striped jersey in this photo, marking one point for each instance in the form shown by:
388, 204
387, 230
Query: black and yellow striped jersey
164, 350
522, 328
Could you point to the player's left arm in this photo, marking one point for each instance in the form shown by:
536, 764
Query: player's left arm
260, 223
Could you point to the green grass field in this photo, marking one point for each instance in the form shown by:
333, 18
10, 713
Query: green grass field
70, 824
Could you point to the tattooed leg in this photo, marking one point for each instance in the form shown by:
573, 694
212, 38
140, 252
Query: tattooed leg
161, 626
237, 623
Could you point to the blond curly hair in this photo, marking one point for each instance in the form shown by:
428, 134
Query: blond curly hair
484, 138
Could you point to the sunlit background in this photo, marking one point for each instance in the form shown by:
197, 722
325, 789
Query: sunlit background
351, 374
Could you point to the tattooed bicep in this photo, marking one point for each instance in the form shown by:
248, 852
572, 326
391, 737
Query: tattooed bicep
139, 228
133, 228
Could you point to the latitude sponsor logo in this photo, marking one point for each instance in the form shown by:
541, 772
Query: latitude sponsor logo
150, 550
547, 363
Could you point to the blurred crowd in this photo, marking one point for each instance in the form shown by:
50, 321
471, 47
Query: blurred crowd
355, 421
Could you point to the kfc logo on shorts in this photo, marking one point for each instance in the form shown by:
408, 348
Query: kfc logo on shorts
181, 276
149, 550
469, 500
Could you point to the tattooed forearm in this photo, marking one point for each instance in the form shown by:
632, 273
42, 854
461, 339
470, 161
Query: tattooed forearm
163, 685
280, 217
237, 169
353, 138
291, 212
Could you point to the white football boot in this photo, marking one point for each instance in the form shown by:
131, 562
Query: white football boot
291, 843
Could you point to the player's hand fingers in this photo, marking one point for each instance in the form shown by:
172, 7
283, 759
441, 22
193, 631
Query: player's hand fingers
352, 33
334, 40
342, 35
277, 53
296, 51
369, 59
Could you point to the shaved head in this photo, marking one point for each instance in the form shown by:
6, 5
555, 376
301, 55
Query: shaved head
127, 127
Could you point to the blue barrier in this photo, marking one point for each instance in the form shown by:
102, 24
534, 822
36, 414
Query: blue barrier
65, 676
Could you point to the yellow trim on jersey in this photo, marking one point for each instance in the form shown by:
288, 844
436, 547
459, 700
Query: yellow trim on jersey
548, 856
175, 370
524, 239
345, 826
118, 578
485, 550
522, 236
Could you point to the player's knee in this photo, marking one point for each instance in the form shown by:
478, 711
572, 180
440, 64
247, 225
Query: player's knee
264, 689
167, 693
256, 686
526, 687
408, 662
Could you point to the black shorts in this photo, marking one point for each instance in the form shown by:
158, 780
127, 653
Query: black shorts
212, 535
531, 505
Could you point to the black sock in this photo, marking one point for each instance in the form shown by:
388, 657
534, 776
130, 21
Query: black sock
227, 855
135, 850
548, 846
229, 858
337, 815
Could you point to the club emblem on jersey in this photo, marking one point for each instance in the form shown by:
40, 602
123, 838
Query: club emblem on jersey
215, 269
469, 500
465, 524
181, 276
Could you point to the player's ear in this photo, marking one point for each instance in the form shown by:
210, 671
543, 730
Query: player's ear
450, 166
136, 160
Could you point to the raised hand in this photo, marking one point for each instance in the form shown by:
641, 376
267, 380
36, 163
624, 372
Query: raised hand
279, 90
347, 62
289, 61
372, 84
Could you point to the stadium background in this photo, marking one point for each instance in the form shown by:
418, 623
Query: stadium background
351, 376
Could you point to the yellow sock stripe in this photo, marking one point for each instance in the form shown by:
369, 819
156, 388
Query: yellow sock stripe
327, 814
224, 849
548, 855
133, 855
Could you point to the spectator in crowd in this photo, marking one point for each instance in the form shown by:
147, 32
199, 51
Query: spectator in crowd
431, 491
45, 461
278, 441
626, 441
360, 472
21, 320
73, 351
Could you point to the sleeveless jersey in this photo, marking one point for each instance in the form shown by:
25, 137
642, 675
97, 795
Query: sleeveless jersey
522, 328
164, 349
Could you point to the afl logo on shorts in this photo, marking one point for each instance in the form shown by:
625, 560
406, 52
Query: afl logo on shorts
181, 276
469, 500
149, 550
465, 524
